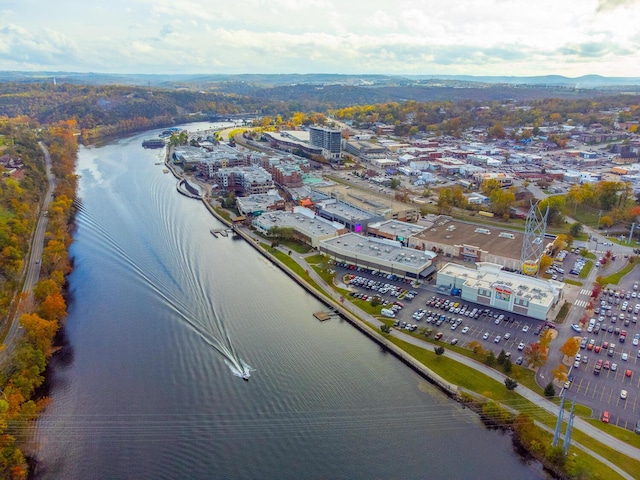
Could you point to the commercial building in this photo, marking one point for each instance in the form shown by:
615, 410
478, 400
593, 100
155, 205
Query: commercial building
395, 230
489, 285
328, 140
308, 227
379, 254
470, 242
256, 205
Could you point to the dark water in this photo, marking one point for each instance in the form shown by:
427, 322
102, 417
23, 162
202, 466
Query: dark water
163, 313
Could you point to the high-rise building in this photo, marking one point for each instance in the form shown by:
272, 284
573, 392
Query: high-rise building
329, 140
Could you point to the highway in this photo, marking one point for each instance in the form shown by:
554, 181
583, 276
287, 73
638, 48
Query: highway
32, 267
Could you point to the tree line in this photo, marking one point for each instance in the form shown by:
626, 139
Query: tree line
41, 315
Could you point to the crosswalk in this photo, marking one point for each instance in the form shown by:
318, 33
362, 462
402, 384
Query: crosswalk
585, 291
581, 303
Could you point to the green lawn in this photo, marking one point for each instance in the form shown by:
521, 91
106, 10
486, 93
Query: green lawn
615, 278
584, 273
469, 378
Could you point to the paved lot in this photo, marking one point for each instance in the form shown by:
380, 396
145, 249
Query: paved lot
600, 392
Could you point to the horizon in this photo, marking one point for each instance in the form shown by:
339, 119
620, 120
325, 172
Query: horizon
285, 37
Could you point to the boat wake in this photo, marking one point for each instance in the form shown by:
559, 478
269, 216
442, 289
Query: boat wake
205, 321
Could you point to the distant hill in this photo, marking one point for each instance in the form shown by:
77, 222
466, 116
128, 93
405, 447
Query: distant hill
270, 80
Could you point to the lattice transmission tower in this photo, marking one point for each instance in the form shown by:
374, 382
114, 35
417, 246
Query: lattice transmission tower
533, 244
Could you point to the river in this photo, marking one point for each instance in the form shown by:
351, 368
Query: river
162, 314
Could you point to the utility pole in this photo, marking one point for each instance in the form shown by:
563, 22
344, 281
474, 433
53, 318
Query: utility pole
556, 433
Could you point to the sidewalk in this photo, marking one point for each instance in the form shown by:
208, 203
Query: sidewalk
530, 395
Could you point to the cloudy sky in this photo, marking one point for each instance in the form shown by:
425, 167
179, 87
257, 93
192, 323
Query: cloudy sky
474, 37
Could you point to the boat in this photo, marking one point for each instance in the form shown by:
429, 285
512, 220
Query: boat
153, 143
245, 376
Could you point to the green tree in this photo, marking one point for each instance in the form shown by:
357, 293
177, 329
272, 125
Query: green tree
549, 390
438, 350
576, 229
507, 366
384, 328
502, 356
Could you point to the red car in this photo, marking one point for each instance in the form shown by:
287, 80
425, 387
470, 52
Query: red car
606, 365
605, 416
597, 349
628, 373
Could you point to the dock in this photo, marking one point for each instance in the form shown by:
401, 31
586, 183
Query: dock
323, 316
220, 231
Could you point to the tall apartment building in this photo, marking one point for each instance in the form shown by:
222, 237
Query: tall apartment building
329, 140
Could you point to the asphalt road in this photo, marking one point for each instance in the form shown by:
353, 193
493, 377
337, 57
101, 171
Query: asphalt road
33, 264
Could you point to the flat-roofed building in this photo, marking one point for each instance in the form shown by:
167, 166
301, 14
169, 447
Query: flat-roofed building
308, 227
379, 254
370, 201
471, 242
489, 285
353, 218
256, 205
395, 230
248, 180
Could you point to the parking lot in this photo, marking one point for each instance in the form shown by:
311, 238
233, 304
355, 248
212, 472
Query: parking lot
452, 320
612, 337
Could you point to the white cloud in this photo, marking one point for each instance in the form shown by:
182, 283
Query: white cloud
514, 37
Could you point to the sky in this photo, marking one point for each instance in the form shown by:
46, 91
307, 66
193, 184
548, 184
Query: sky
405, 37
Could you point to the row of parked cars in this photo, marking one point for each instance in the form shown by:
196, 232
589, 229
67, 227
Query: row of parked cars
382, 287
578, 266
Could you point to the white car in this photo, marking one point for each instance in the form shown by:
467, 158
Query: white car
614, 367
507, 336
521, 346
623, 394
576, 364
486, 335
625, 356
576, 328
497, 339
525, 329
465, 329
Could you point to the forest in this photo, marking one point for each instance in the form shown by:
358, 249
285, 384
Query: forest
41, 314
103, 110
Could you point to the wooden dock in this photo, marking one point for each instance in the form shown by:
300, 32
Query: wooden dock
323, 316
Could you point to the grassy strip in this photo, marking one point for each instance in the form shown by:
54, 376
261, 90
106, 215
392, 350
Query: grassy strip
574, 282
584, 273
616, 277
223, 213
562, 314
587, 254
471, 379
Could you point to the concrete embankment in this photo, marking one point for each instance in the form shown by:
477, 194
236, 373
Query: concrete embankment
366, 328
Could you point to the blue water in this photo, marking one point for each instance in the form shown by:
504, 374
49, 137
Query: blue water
160, 312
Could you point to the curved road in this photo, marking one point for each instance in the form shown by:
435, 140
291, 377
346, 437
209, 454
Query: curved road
32, 272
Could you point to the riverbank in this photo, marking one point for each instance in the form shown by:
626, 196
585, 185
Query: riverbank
369, 326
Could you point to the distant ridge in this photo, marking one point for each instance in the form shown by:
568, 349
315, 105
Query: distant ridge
273, 80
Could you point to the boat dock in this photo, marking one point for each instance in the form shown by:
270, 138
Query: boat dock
324, 316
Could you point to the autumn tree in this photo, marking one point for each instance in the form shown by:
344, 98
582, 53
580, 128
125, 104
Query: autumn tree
560, 373
571, 347
535, 355
39, 331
